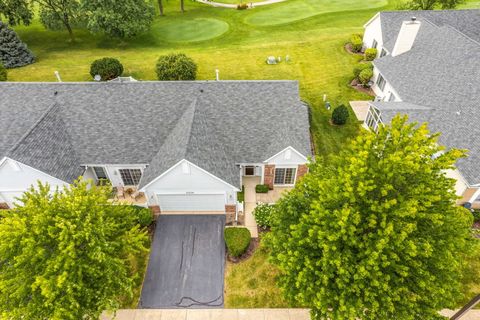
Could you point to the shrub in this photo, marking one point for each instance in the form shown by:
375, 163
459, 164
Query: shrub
241, 195
340, 115
13, 52
3, 73
360, 67
176, 66
356, 42
261, 188
237, 240
263, 215
476, 215
242, 6
370, 54
365, 76
107, 68
144, 216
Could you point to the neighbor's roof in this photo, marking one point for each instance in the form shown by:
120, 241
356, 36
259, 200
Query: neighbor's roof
57, 127
438, 80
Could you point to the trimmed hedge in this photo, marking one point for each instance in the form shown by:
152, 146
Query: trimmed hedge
370, 54
107, 68
237, 240
176, 66
365, 76
263, 215
3, 73
356, 42
340, 115
144, 216
261, 188
360, 67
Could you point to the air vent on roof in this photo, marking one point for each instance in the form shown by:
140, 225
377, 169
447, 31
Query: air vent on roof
414, 19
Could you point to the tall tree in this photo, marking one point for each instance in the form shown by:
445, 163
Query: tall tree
432, 4
61, 14
374, 232
122, 19
160, 7
65, 255
13, 52
16, 11
182, 5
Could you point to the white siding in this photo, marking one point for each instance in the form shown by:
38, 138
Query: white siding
460, 184
89, 175
16, 178
373, 31
387, 90
287, 157
196, 181
192, 202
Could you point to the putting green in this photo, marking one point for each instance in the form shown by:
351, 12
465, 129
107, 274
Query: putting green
194, 30
297, 10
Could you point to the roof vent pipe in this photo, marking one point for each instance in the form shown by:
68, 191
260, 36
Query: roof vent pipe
414, 19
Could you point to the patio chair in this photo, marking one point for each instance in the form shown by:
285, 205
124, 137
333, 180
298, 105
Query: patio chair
120, 192
137, 194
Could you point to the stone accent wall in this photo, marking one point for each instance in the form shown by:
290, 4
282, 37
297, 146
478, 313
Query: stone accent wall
302, 170
230, 210
155, 210
269, 175
4, 206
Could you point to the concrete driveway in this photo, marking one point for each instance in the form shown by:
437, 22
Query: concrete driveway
186, 266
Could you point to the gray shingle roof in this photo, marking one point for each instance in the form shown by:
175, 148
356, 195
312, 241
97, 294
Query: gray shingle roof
438, 80
465, 21
212, 124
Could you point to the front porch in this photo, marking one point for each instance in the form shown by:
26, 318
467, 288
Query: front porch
129, 196
252, 199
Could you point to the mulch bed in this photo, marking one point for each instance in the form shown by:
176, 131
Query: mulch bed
357, 86
348, 48
251, 249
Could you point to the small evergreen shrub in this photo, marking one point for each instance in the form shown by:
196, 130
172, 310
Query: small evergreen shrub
241, 195
370, 54
263, 215
360, 67
356, 42
365, 76
106, 68
3, 73
176, 66
261, 188
237, 240
242, 6
13, 52
144, 216
340, 115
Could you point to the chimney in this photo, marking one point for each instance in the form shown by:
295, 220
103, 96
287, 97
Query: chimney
406, 36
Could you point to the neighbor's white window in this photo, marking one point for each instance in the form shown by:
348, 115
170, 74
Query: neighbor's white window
285, 175
374, 44
373, 119
381, 82
130, 177
100, 173
383, 53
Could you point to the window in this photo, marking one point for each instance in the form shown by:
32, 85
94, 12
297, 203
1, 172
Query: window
373, 119
100, 173
130, 177
249, 170
383, 53
391, 97
374, 44
285, 175
381, 82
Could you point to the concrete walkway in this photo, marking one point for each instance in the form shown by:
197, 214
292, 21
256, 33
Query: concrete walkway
209, 314
234, 6
250, 204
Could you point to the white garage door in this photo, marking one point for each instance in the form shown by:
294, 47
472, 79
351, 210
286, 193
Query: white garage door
192, 202
10, 197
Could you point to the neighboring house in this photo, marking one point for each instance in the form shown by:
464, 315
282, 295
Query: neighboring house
429, 68
185, 145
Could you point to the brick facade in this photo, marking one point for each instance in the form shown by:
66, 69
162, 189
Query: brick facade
155, 210
230, 212
269, 175
302, 170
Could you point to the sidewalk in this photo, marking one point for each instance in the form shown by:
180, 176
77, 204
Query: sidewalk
210, 314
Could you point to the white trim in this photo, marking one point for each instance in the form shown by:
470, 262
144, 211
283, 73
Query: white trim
371, 19
474, 196
4, 159
289, 147
194, 165
40, 171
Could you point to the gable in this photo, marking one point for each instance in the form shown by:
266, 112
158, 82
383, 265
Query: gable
287, 156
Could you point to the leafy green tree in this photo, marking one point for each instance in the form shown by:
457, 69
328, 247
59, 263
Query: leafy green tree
374, 232
16, 11
13, 52
431, 4
64, 255
61, 15
121, 19
160, 7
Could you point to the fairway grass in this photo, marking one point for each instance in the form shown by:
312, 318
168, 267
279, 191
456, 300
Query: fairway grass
199, 29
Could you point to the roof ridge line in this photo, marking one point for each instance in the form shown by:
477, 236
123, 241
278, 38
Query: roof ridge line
29, 131
193, 106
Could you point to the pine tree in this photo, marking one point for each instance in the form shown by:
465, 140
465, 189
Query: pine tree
13, 52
